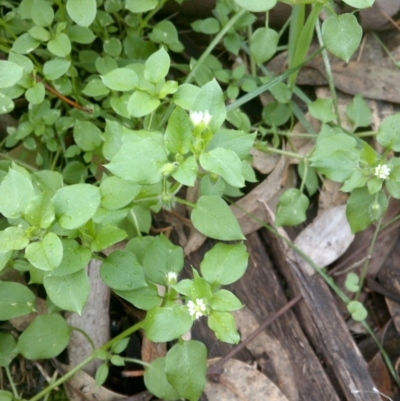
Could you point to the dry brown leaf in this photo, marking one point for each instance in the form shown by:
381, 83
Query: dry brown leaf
250, 203
151, 351
380, 374
325, 239
264, 162
266, 347
330, 196
241, 382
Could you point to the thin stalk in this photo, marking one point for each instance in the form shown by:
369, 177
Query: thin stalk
368, 258
328, 71
213, 44
81, 365
11, 381
186, 203
281, 152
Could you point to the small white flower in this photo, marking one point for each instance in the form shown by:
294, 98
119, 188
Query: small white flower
172, 277
382, 171
200, 117
197, 308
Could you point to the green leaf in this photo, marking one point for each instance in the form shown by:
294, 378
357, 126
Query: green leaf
167, 324
60, 45
54, 69
357, 311
24, 44
7, 349
101, 374
40, 33
116, 192
157, 66
393, 183
291, 208
49, 333
121, 271
352, 282
359, 3
145, 167
75, 258
16, 191
35, 95
6, 104
142, 103
223, 325
160, 258
143, 298
263, 44
256, 6
45, 254
42, 13
106, 236
69, 292
120, 346
213, 218
95, 87
13, 238
364, 208
225, 163
121, 79
359, 112
224, 264
155, 380
10, 74
185, 95
186, 173
322, 109
210, 97
82, 12
389, 132
178, 134
80, 34
209, 26
336, 157
40, 211
112, 47
210, 185
224, 301
185, 366
87, 135
237, 141
141, 6
76, 204
342, 35
15, 300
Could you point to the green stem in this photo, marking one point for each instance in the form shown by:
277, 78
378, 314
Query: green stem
368, 258
212, 45
280, 152
186, 203
138, 361
63, 379
135, 223
329, 74
11, 381
81, 365
19, 162
90, 341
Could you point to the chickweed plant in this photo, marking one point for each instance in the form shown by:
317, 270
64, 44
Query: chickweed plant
112, 129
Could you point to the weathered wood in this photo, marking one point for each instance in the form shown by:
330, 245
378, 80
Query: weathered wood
94, 320
261, 291
325, 327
